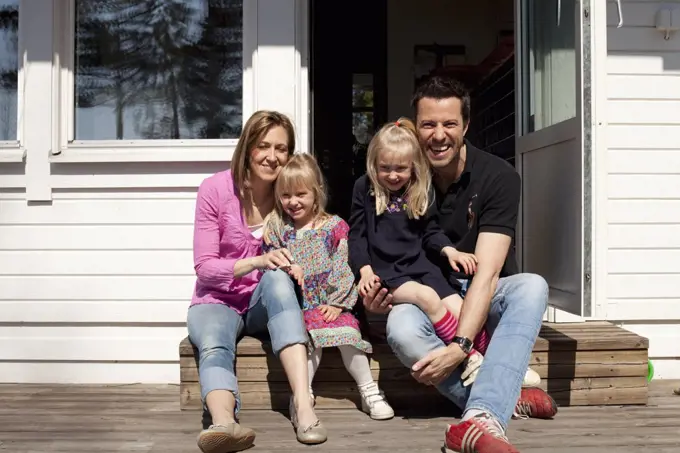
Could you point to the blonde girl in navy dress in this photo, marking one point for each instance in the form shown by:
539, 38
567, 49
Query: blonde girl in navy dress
393, 230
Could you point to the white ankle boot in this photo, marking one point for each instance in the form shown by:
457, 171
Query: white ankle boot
531, 379
373, 402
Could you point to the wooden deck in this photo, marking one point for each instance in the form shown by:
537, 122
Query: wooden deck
148, 419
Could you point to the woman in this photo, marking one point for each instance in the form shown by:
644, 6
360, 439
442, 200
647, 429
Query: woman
233, 295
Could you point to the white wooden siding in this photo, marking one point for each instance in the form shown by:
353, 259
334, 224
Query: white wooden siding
643, 158
95, 287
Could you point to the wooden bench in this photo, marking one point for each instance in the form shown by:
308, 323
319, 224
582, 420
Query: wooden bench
581, 364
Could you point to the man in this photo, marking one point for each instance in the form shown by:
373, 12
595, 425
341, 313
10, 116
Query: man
477, 197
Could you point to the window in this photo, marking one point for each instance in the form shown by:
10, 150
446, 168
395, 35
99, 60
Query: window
552, 62
9, 68
362, 108
157, 70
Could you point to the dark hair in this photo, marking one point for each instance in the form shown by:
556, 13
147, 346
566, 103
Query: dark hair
443, 87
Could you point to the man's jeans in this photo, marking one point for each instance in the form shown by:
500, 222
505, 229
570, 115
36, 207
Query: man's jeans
215, 328
515, 318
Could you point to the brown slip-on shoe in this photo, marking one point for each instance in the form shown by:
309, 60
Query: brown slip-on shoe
225, 438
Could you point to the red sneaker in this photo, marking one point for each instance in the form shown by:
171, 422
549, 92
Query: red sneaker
480, 434
535, 403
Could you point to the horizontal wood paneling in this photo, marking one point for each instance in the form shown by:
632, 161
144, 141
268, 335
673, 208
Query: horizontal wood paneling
643, 136
96, 262
641, 286
96, 287
99, 212
643, 261
650, 63
644, 187
637, 111
643, 211
91, 343
644, 161
96, 237
660, 309
643, 236
646, 87
95, 311
639, 39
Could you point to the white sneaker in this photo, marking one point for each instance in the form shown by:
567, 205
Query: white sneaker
531, 379
373, 402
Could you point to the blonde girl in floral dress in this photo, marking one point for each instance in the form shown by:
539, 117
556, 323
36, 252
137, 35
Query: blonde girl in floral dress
318, 243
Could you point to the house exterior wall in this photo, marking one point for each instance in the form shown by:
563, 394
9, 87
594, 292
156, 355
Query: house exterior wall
96, 258
643, 161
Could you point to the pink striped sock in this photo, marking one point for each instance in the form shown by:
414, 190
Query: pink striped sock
482, 341
446, 327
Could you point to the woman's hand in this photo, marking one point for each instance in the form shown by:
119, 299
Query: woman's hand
468, 261
275, 259
330, 313
298, 274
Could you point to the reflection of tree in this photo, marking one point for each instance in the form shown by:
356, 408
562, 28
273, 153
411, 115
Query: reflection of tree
9, 26
172, 65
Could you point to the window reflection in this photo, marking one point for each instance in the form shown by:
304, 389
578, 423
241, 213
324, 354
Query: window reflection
158, 69
9, 66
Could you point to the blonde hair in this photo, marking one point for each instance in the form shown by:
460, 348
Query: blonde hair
401, 139
302, 170
254, 131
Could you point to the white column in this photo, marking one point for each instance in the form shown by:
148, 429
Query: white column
36, 20
280, 62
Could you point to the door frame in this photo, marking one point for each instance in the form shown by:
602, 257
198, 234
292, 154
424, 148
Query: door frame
587, 131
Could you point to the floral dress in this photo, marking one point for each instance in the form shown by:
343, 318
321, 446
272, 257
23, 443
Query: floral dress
328, 280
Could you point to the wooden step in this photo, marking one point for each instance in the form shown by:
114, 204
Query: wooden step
580, 364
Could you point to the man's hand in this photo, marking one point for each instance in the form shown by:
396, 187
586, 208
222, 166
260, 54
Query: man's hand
330, 313
377, 300
438, 365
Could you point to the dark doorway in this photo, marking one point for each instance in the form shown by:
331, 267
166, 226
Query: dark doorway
349, 89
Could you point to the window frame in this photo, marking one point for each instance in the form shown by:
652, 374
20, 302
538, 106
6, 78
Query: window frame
181, 150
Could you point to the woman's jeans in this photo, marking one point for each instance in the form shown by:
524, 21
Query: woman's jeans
215, 328
514, 320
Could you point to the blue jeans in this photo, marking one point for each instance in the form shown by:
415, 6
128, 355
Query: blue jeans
514, 320
214, 329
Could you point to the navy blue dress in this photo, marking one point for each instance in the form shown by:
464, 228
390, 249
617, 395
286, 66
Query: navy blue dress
399, 249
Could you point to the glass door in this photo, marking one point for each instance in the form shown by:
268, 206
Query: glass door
550, 147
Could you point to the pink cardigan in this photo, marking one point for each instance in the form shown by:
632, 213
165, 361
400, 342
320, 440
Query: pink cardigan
221, 238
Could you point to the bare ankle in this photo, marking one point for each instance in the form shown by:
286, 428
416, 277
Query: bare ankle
224, 420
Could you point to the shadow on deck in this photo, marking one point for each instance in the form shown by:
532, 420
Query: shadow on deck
148, 419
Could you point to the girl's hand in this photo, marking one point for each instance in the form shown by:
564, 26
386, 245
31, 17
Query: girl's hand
298, 274
368, 279
468, 261
472, 364
275, 259
330, 313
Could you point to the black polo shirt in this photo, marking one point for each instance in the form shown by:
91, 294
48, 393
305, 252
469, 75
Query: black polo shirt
484, 199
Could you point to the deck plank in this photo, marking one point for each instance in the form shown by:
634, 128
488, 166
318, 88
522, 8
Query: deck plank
148, 419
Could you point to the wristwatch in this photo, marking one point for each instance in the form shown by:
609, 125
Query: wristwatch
464, 343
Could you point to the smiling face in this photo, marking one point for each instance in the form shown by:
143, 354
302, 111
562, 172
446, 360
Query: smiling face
441, 129
298, 203
394, 169
269, 155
